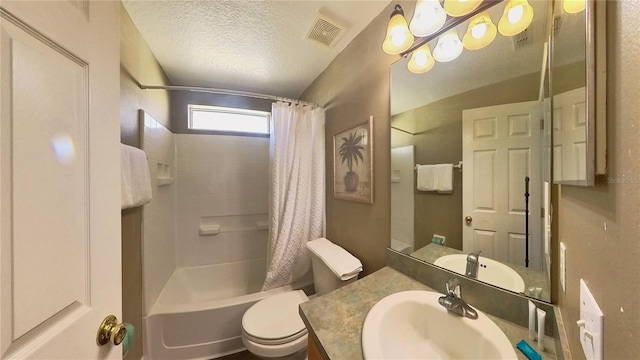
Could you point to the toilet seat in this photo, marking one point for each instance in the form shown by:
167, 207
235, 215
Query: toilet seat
275, 320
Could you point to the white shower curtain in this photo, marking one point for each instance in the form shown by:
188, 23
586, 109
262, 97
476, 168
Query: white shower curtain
297, 190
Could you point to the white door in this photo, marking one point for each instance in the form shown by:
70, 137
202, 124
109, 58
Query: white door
501, 146
569, 136
60, 269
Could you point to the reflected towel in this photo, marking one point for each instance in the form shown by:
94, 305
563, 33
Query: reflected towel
135, 178
426, 177
343, 264
443, 178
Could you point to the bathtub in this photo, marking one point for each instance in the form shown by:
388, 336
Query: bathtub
198, 314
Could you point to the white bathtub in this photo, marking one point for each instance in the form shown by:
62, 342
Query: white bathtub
199, 312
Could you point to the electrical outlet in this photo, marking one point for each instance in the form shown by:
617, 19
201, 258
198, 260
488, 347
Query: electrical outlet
563, 266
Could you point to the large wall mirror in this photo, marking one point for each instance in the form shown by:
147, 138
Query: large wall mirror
576, 73
470, 140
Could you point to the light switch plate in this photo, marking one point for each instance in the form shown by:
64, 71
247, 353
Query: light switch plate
563, 266
591, 324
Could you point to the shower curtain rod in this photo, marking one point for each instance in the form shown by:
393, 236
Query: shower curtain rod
226, 92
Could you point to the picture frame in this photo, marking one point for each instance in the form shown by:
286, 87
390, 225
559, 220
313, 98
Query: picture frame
353, 163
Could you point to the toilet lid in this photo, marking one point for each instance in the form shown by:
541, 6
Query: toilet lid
275, 317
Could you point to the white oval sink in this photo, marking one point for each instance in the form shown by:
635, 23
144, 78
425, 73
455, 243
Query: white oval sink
412, 325
489, 271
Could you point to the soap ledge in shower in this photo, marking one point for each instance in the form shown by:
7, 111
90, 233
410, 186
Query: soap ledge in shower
164, 181
212, 229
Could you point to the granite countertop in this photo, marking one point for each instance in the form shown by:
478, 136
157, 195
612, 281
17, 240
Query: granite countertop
532, 278
336, 319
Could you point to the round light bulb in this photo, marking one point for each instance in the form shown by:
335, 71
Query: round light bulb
478, 31
421, 58
448, 47
515, 13
397, 36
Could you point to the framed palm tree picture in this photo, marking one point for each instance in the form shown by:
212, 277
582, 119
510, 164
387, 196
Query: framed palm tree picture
353, 163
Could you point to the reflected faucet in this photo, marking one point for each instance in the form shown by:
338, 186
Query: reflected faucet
473, 262
453, 301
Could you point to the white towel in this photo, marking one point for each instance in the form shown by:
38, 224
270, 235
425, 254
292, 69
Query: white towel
136, 181
426, 177
338, 259
443, 178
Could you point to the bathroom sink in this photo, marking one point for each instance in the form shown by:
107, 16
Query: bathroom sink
412, 325
489, 271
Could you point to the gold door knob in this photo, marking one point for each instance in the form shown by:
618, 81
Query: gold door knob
111, 331
468, 219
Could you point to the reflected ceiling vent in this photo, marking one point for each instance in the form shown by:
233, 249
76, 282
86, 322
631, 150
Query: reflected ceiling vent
325, 31
522, 39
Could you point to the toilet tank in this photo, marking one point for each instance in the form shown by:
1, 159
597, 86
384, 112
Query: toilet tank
324, 279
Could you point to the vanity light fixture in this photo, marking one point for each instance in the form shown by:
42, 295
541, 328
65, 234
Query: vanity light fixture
518, 14
449, 47
428, 18
573, 6
398, 38
421, 60
480, 33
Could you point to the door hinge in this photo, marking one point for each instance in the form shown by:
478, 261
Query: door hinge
541, 212
541, 124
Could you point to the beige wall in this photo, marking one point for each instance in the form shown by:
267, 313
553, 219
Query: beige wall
137, 65
600, 224
352, 88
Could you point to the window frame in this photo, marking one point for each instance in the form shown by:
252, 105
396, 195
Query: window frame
229, 110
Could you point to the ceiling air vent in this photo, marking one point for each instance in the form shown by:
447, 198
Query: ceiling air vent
325, 31
522, 39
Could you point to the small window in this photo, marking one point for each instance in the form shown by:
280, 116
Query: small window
228, 120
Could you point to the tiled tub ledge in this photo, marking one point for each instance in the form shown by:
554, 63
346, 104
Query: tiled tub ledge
335, 320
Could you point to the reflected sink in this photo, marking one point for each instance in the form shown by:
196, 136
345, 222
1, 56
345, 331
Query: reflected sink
412, 325
490, 271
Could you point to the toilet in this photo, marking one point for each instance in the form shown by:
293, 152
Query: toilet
273, 329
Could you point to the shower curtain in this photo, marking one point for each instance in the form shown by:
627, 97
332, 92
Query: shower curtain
297, 190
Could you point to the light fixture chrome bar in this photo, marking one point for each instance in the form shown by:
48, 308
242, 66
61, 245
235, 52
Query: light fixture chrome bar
450, 24
225, 92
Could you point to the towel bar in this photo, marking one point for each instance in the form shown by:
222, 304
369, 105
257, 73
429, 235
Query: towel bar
457, 166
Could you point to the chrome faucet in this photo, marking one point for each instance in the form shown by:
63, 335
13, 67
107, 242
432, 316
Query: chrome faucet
453, 301
473, 262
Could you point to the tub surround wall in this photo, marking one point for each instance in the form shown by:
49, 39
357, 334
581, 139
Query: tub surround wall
223, 180
159, 215
137, 64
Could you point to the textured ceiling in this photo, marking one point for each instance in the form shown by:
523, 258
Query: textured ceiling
256, 46
473, 69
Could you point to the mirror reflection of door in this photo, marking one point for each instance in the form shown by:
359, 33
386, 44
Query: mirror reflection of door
570, 130
569, 136
501, 147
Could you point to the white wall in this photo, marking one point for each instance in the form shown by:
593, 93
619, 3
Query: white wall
222, 180
159, 215
402, 202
